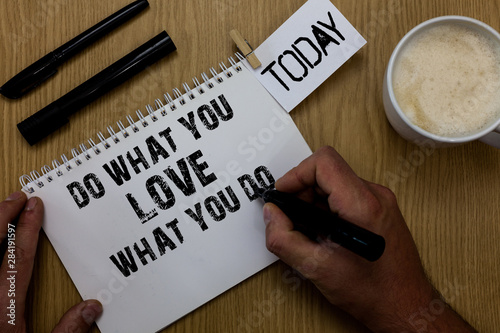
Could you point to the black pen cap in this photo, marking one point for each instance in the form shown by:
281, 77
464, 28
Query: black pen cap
32, 76
56, 114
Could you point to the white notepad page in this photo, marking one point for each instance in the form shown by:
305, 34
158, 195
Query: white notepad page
135, 197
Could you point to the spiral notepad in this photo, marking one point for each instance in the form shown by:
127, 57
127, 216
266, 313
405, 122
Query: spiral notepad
161, 216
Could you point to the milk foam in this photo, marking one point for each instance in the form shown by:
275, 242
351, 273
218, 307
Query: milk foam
447, 81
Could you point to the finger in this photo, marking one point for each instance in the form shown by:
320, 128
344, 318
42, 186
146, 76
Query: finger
79, 318
18, 261
291, 246
309, 194
314, 195
328, 172
10, 210
318, 169
382, 192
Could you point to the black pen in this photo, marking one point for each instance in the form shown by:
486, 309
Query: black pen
45, 67
313, 222
56, 114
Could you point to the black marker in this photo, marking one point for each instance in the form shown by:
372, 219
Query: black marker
313, 222
56, 114
45, 67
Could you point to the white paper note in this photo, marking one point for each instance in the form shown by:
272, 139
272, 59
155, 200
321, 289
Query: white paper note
312, 44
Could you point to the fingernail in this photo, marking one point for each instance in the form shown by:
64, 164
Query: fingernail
267, 214
30, 205
14, 196
90, 312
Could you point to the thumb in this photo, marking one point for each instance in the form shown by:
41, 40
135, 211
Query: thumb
79, 318
289, 245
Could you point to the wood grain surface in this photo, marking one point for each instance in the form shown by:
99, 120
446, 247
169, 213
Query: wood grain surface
449, 197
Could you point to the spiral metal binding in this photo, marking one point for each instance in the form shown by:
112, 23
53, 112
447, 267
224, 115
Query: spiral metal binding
34, 180
132, 124
178, 96
170, 101
45, 172
205, 78
224, 69
103, 140
83, 149
198, 86
25, 181
216, 75
56, 166
112, 134
188, 90
75, 154
143, 121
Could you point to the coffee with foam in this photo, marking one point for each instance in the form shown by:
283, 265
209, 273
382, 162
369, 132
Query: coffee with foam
447, 80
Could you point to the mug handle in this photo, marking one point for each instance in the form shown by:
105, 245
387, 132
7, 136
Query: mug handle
493, 138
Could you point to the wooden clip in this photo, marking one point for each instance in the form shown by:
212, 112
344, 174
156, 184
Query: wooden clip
245, 48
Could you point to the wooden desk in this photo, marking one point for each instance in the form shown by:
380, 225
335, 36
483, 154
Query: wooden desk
449, 197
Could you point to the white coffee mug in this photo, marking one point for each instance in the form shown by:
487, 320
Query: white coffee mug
400, 121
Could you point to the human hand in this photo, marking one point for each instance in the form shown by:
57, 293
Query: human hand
20, 223
387, 295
